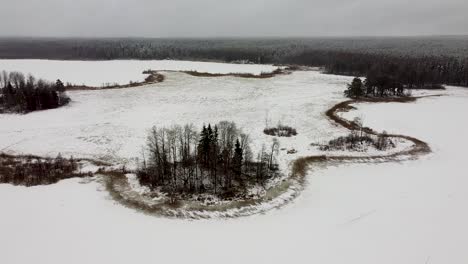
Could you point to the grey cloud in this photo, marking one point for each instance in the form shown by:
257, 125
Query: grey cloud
220, 18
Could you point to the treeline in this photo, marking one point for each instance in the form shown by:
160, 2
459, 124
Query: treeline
421, 72
218, 160
253, 49
31, 171
415, 62
26, 94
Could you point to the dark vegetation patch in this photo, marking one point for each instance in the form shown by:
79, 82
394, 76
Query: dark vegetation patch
301, 165
355, 141
360, 138
280, 131
33, 170
383, 86
23, 95
262, 75
218, 161
417, 62
241, 50
152, 78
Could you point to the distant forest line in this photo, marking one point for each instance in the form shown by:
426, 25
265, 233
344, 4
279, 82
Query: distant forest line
416, 62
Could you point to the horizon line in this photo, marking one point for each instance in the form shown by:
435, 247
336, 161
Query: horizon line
238, 37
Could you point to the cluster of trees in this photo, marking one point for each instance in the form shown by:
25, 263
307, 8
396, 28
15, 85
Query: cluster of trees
218, 160
280, 131
376, 87
31, 171
414, 62
359, 140
356, 142
380, 86
391, 75
26, 94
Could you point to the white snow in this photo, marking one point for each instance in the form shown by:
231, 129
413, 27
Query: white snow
111, 125
99, 73
406, 213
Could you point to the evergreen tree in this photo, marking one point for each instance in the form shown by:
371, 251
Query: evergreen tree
203, 146
215, 167
59, 87
238, 157
210, 135
355, 89
26, 95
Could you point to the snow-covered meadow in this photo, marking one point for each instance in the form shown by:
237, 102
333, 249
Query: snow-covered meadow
111, 125
408, 212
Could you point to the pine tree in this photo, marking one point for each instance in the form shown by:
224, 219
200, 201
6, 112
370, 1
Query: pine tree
59, 87
204, 145
355, 89
238, 157
209, 133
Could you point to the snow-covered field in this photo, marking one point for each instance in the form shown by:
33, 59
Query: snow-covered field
99, 73
408, 212
111, 125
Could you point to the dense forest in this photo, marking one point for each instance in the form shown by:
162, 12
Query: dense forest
415, 62
26, 94
218, 160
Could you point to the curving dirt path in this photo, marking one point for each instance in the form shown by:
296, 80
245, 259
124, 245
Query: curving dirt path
275, 197
153, 77
263, 75
120, 188
419, 147
157, 77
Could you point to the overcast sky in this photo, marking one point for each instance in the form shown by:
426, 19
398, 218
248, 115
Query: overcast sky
224, 18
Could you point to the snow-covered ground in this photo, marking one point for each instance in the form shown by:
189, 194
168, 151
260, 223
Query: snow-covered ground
408, 212
99, 73
112, 125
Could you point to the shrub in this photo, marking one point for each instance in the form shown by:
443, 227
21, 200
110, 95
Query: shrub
280, 131
30, 171
356, 142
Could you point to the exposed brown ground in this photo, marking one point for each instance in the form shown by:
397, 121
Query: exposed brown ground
300, 166
117, 185
156, 77
153, 77
263, 75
